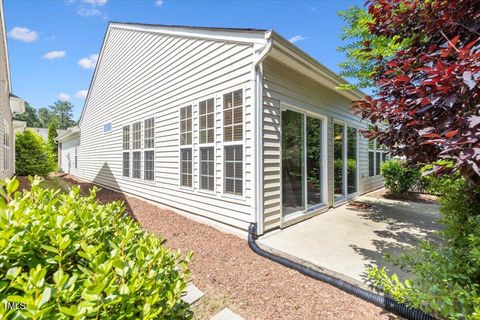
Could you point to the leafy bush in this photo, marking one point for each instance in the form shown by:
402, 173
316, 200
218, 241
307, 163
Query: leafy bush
446, 273
338, 168
63, 255
32, 155
399, 178
437, 184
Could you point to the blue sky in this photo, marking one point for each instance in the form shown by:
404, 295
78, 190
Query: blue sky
52, 44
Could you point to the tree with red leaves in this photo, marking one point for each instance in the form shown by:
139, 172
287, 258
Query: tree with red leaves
428, 93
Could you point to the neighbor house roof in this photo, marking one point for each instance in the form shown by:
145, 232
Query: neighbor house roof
69, 133
281, 50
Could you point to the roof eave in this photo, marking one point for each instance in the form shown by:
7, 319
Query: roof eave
304, 63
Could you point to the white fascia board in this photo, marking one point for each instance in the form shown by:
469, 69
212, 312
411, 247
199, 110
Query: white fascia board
2, 18
304, 63
238, 36
70, 133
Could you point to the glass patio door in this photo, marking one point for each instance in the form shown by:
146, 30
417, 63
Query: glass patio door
302, 176
345, 164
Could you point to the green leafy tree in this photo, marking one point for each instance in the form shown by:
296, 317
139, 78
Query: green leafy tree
52, 135
360, 64
45, 116
32, 155
30, 116
63, 111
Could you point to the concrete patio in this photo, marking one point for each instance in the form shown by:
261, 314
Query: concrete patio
346, 240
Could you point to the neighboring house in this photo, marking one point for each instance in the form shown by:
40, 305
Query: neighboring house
235, 125
43, 132
9, 106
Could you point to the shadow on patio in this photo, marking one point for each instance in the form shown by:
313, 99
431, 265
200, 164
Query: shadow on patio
346, 240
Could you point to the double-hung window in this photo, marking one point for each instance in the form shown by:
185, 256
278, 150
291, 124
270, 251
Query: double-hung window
137, 153
233, 142
148, 149
126, 151
6, 147
206, 140
377, 154
186, 156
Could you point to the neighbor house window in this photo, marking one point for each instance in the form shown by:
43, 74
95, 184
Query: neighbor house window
76, 157
186, 146
206, 119
207, 167
6, 147
234, 169
137, 165
107, 127
149, 153
126, 151
233, 138
233, 116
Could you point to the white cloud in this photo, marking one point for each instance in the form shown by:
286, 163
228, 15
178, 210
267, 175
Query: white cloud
297, 38
23, 34
158, 3
85, 12
63, 96
82, 94
89, 62
96, 2
54, 55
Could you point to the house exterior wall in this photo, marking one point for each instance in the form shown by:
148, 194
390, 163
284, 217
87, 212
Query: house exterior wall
146, 74
283, 85
7, 148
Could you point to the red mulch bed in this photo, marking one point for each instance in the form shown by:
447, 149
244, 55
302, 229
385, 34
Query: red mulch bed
223, 264
412, 196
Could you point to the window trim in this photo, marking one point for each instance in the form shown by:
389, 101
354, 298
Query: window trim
186, 146
224, 143
144, 149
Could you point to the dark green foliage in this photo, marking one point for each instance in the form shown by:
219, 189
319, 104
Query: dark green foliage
52, 135
399, 177
45, 116
65, 256
32, 155
30, 116
63, 112
447, 272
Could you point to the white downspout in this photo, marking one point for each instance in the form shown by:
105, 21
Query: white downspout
257, 73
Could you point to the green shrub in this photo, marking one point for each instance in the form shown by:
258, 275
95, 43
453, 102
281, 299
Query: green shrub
338, 168
63, 255
32, 155
437, 185
399, 178
446, 274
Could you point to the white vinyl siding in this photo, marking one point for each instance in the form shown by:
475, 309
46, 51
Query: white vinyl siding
149, 74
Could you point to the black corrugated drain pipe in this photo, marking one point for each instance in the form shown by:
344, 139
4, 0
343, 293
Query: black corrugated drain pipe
381, 301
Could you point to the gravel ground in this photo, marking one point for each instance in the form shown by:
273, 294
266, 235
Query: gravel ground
232, 275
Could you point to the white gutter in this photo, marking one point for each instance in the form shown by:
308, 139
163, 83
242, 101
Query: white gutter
257, 73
